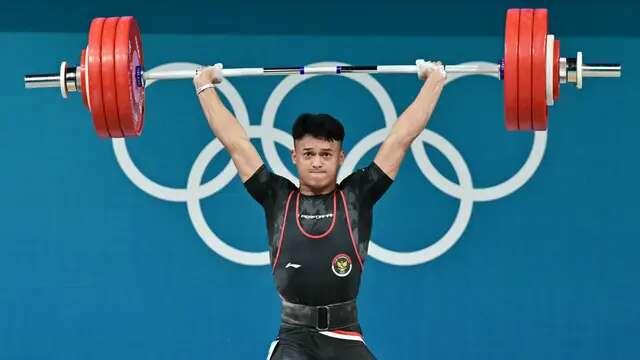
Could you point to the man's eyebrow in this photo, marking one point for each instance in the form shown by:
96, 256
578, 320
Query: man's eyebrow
324, 149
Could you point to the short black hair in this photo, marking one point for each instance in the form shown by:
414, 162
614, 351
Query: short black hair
320, 126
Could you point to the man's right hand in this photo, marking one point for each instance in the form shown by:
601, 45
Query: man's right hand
208, 75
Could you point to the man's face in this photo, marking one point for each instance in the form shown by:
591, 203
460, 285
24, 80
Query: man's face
317, 161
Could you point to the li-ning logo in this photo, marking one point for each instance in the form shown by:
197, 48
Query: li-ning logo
195, 191
316, 217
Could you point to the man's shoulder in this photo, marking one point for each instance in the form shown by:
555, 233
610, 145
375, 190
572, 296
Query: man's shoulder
265, 185
368, 183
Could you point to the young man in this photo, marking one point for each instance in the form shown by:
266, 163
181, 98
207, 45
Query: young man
319, 232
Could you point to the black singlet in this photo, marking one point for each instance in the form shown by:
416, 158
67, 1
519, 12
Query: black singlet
318, 244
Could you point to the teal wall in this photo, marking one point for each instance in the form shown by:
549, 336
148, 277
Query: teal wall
93, 266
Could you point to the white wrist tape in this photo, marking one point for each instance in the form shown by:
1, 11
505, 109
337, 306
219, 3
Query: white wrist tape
204, 87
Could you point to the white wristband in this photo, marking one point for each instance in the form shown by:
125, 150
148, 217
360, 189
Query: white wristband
203, 88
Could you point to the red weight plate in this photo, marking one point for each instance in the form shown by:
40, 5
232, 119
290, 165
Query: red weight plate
525, 69
511, 69
94, 80
556, 70
109, 96
129, 64
83, 77
539, 64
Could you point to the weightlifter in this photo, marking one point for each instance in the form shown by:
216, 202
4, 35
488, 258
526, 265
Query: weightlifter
319, 231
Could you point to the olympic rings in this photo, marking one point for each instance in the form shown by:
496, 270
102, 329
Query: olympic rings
269, 136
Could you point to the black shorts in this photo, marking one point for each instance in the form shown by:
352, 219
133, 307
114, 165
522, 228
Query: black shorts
299, 343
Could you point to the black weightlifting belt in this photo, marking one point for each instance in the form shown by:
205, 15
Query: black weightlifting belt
328, 317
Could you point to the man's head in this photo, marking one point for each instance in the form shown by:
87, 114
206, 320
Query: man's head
317, 151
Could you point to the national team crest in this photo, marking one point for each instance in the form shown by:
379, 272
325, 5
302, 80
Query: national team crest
341, 265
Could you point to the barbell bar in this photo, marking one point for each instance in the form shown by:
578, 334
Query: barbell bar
111, 75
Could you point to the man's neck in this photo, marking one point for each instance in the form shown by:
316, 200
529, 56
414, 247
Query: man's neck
306, 190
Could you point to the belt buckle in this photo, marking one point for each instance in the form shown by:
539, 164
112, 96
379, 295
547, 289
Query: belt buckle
327, 316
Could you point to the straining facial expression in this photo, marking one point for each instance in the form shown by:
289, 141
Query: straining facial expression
317, 151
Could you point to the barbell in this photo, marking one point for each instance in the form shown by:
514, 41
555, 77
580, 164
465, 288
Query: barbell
111, 76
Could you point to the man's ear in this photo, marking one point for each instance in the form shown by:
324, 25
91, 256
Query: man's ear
341, 160
293, 155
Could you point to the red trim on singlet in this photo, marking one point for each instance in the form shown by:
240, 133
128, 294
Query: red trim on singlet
353, 242
333, 221
352, 333
284, 224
